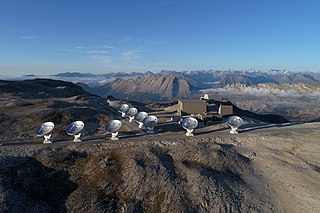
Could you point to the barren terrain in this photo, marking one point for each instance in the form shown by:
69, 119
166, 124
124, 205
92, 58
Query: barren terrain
267, 167
275, 169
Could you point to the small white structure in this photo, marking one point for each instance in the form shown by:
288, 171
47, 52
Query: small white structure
113, 128
149, 122
75, 129
139, 117
204, 97
123, 108
234, 122
131, 112
189, 124
44, 130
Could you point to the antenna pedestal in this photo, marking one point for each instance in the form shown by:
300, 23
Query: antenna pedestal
77, 138
150, 130
189, 132
114, 136
131, 119
123, 114
140, 124
234, 130
47, 139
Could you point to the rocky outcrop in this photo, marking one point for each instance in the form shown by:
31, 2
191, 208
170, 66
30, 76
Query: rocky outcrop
149, 88
294, 88
41, 88
26, 104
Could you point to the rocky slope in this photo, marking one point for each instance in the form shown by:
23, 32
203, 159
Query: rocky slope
265, 88
26, 104
211, 78
146, 88
263, 169
191, 177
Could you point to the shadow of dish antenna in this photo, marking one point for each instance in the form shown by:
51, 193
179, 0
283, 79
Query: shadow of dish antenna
131, 112
234, 122
113, 128
189, 124
149, 122
75, 129
123, 108
44, 130
139, 117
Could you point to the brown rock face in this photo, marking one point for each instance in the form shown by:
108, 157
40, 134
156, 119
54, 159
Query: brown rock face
149, 88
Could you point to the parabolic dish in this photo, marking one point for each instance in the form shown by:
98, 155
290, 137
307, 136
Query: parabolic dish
75, 128
113, 126
189, 123
123, 108
131, 112
150, 121
140, 116
234, 121
44, 128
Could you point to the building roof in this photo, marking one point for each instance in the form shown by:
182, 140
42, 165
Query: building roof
193, 101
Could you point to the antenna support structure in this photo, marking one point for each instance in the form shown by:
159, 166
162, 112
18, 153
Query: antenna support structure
234, 130
114, 136
47, 139
189, 132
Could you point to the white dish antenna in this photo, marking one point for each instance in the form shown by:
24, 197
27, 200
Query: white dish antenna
113, 128
123, 108
75, 129
189, 124
131, 112
149, 122
139, 117
44, 130
234, 122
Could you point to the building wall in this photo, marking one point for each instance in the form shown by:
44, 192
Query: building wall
225, 110
191, 107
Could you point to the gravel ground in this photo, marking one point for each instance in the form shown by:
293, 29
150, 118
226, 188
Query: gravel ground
264, 170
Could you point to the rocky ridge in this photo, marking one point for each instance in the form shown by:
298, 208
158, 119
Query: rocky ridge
146, 88
294, 88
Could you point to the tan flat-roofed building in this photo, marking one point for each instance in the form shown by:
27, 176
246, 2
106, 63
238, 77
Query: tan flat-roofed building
205, 108
191, 107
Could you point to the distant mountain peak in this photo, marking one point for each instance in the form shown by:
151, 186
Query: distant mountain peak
74, 74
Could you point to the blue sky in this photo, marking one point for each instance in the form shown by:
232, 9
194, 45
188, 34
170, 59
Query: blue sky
100, 36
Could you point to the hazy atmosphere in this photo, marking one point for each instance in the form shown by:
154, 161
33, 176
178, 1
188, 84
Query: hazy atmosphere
99, 36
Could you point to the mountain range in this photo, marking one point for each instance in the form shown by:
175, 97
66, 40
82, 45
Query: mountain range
171, 85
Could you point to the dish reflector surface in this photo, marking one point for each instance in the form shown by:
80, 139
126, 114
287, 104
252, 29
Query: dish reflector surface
140, 116
113, 126
235, 121
44, 128
75, 128
150, 121
124, 108
131, 112
189, 123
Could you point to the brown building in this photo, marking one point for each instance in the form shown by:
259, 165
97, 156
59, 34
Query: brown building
204, 108
191, 107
